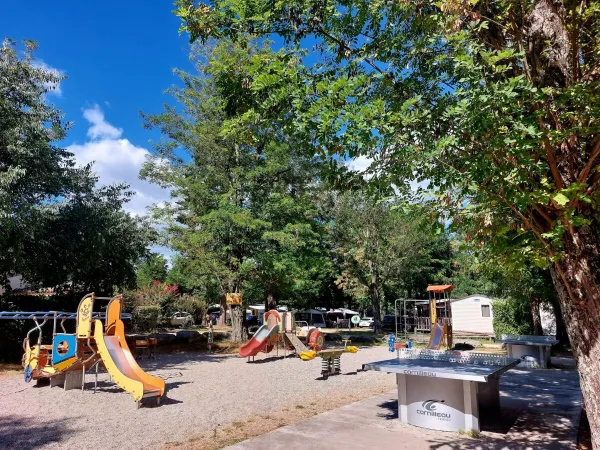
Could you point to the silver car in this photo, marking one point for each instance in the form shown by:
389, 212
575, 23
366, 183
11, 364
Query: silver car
181, 319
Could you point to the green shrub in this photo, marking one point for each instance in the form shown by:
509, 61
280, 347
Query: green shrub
512, 316
151, 304
146, 318
190, 304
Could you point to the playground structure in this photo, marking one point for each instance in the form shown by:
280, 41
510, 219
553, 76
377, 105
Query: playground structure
427, 320
280, 329
70, 355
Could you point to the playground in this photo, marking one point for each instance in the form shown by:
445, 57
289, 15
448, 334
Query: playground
84, 381
215, 399
206, 392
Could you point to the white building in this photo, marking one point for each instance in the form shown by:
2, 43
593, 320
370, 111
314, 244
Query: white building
473, 314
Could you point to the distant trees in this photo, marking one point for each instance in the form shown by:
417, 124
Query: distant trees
252, 213
379, 249
152, 268
56, 227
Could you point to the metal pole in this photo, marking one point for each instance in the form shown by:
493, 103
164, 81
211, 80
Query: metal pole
404, 315
96, 382
396, 315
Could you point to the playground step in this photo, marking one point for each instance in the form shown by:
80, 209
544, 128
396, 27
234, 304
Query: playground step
151, 393
297, 343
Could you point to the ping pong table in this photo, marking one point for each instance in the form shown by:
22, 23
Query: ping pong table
445, 390
525, 347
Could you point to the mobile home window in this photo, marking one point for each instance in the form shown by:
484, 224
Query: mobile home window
485, 310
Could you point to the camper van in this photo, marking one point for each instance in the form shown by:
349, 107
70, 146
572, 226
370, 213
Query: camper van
312, 317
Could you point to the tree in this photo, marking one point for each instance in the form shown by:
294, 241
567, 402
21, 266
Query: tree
88, 242
379, 247
510, 274
33, 171
496, 104
56, 227
152, 268
242, 208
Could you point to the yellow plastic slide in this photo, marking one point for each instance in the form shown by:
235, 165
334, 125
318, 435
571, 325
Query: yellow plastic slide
122, 366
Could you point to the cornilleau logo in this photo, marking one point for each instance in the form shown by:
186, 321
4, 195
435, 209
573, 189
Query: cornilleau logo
430, 409
429, 405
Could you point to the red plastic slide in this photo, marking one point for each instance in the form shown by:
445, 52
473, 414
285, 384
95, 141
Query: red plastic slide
262, 336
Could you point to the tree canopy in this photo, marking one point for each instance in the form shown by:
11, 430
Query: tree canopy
494, 104
152, 268
56, 227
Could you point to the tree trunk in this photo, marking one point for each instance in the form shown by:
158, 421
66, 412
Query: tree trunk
577, 282
375, 303
270, 302
561, 328
535, 315
223, 311
237, 323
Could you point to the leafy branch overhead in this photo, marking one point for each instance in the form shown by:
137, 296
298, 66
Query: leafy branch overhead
493, 105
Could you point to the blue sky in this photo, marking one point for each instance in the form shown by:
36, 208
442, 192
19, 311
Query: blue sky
119, 58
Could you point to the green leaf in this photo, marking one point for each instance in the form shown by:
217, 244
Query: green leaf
561, 199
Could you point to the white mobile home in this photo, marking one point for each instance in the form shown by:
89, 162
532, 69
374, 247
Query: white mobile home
473, 314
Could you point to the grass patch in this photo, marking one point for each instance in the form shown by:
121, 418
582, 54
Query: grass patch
470, 433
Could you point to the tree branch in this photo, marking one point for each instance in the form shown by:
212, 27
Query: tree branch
550, 156
588, 167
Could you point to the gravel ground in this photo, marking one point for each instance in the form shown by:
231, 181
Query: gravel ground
204, 392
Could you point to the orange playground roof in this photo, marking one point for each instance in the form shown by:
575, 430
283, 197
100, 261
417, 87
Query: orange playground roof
440, 288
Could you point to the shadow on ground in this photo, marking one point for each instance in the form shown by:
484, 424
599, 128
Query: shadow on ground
165, 361
17, 432
268, 359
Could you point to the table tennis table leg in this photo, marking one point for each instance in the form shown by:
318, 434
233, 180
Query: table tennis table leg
543, 364
471, 405
402, 398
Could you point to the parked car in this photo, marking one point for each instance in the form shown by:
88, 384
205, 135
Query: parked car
251, 320
181, 319
366, 322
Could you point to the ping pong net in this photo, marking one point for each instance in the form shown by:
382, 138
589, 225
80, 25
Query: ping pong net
481, 359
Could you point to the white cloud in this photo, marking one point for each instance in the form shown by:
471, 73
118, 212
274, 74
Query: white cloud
100, 128
53, 88
117, 160
360, 163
